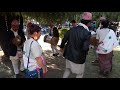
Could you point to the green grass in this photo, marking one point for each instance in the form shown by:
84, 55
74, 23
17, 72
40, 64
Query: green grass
63, 31
92, 71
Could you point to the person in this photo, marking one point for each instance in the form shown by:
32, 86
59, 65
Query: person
34, 52
117, 34
74, 23
107, 40
113, 26
27, 31
96, 61
93, 26
5, 26
55, 38
76, 45
16, 39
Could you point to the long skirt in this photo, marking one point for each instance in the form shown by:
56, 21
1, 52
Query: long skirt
105, 62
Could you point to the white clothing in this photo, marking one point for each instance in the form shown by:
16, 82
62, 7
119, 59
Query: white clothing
81, 24
93, 33
15, 62
15, 33
15, 59
102, 33
75, 68
27, 34
109, 41
97, 31
36, 51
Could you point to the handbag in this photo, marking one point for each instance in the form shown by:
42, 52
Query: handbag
35, 73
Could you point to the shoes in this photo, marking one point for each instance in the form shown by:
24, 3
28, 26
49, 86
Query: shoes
95, 62
23, 71
104, 73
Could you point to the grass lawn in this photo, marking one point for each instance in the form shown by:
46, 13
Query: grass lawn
63, 31
92, 71
56, 66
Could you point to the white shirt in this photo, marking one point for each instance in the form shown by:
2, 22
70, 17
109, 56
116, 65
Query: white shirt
27, 34
15, 33
36, 51
101, 33
98, 30
109, 41
81, 24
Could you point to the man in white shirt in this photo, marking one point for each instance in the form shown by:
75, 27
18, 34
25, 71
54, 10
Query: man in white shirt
15, 49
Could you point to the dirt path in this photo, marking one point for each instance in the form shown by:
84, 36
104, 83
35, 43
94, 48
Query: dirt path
56, 65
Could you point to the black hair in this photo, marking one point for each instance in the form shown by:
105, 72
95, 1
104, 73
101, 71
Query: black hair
73, 21
85, 21
34, 28
105, 23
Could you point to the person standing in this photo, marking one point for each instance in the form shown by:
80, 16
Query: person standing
27, 31
107, 40
75, 44
33, 52
74, 23
55, 38
16, 40
96, 61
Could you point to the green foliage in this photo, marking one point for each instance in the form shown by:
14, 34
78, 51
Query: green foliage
62, 32
61, 17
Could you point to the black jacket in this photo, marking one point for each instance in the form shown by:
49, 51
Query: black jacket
55, 32
76, 44
12, 49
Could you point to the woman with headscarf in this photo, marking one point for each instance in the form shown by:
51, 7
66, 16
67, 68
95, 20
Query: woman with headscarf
107, 41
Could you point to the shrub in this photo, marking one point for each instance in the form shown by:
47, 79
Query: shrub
62, 32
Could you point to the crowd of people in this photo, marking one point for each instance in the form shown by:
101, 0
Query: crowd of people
74, 47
